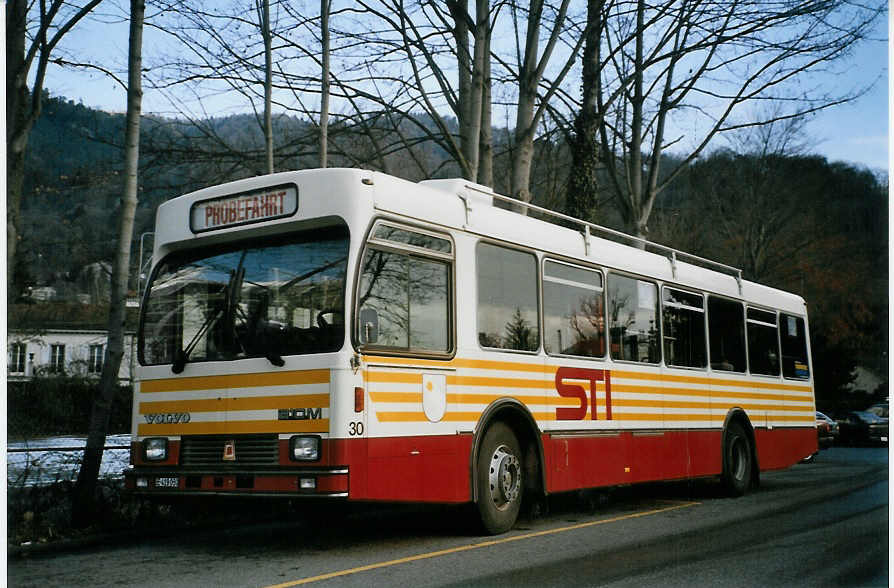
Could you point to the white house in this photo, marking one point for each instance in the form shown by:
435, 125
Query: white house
63, 351
46, 339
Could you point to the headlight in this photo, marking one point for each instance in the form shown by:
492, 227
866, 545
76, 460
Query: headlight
304, 448
155, 449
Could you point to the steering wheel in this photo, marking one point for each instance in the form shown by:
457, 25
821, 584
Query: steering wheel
322, 322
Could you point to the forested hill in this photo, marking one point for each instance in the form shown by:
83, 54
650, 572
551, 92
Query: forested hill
796, 222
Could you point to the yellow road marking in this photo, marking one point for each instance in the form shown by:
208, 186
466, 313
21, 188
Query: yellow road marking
491, 543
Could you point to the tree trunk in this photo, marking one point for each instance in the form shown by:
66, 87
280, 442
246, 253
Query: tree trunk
16, 133
582, 192
324, 78
268, 85
486, 148
468, 108
635, 221
82, 507
530, 74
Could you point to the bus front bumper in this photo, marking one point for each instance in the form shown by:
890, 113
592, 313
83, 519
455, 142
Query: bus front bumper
291, 482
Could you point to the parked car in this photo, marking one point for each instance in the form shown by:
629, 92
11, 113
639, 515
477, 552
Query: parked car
826, 430
864, 426
880, 409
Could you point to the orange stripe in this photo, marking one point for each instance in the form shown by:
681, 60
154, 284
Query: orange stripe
244, 403
410, 378
745, 383
395, 377
485, 399
236, 381
457, 416
500, 382
807, 402
551, 369
486, 381
227, 427
413, 397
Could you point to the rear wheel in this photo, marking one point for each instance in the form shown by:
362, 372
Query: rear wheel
738, 460
500, 479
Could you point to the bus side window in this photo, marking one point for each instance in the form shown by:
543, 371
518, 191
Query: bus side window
763, 342
726, 333
683, 324
574, 316
633, 319
793, 336
507, 299
404, 296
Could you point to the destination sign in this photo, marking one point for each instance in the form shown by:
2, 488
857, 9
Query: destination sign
247, 207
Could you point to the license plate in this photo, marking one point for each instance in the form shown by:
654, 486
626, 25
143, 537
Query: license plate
167, 482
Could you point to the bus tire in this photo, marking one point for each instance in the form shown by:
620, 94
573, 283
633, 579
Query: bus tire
738, 460
500, 479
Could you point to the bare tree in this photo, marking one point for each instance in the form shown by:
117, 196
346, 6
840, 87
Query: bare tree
530, 74
700, 65
32, 34
99, 418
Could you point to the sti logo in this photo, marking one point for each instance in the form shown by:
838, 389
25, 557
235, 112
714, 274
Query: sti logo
576, 390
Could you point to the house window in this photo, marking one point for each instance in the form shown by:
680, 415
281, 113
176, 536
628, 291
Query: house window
17, 354
94, 361
57, 358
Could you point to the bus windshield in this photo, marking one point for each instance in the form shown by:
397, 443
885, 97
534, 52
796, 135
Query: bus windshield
272, 298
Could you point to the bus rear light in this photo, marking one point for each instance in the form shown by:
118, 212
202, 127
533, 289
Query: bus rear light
358, 399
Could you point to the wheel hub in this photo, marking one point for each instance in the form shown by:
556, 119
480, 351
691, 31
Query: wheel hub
504, 478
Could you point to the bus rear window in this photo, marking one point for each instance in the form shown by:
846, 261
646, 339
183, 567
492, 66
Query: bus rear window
272, 298
793, 337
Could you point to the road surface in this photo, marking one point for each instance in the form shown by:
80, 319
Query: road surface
824, 523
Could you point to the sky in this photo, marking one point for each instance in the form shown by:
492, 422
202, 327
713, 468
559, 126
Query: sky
856, 132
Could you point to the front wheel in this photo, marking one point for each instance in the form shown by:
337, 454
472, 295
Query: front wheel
500, 481
738, 460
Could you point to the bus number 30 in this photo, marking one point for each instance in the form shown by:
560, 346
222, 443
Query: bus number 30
576, 390
355, 428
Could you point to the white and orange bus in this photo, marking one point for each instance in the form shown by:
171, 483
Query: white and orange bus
346, 334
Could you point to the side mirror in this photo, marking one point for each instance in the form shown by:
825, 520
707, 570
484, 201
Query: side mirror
369, 325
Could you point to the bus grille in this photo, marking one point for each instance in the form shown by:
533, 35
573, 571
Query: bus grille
253, 450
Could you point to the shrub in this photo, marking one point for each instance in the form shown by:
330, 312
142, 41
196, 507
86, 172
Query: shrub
60, 405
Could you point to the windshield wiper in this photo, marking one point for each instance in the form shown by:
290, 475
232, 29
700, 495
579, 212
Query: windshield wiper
258, 330
181, 355
228, 307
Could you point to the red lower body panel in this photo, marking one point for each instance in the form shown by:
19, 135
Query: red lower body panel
438, 468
